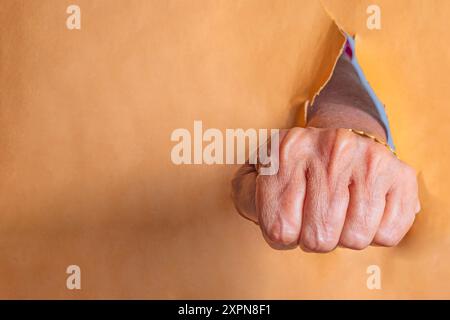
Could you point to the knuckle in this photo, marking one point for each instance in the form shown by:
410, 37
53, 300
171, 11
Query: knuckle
410, 173
273, 233
344, 138
355, 240
379, 161
407, 178
386, 238
315, 242
293, 143
278, 235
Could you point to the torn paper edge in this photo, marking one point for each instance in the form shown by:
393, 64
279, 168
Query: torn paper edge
377, 102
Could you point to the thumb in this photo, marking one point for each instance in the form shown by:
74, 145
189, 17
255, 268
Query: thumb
244, 186
243, 191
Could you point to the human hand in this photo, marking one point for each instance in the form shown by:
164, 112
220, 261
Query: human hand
333, 188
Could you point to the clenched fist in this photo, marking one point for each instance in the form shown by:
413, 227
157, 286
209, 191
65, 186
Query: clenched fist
333, 188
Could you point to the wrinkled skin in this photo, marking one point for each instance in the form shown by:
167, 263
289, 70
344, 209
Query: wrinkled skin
333, 188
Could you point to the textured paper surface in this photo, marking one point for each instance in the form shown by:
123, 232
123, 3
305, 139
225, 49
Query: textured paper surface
85, 124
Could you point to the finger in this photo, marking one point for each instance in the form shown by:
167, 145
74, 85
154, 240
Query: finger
324, 213
327, 194
364, 214
401, 208
243, 191
279, 203
398, 218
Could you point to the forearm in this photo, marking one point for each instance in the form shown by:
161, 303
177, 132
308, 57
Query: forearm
344, 103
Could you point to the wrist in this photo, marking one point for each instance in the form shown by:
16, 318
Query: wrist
343, 116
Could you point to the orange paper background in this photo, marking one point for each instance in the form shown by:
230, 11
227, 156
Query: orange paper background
85, 123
